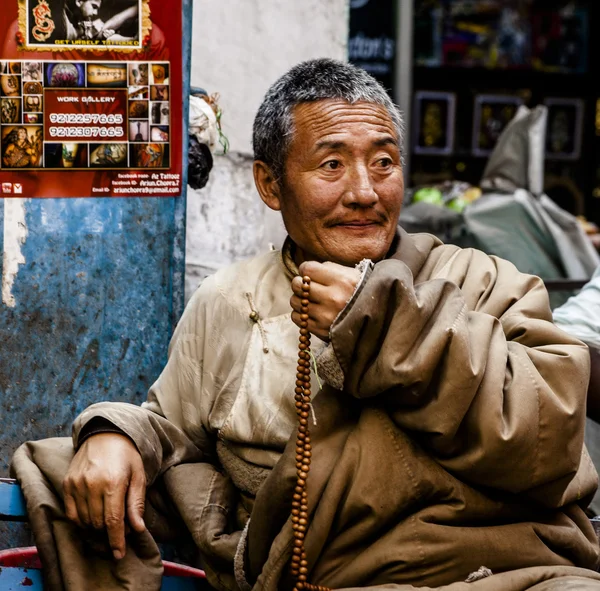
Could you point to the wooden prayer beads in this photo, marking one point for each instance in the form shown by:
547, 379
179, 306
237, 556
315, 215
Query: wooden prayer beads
299, 566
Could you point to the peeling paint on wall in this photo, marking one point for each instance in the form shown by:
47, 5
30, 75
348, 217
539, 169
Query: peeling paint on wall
15, 235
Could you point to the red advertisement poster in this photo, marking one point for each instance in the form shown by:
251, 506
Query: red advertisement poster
91, 98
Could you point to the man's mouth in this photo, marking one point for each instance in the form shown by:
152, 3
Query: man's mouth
358, 223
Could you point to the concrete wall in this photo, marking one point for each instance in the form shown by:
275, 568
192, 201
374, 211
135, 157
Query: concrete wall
239, 48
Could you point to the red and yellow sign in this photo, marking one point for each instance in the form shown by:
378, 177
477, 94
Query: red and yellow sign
91, 99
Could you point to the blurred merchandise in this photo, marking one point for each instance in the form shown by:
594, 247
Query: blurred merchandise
565, 122
509, 215
471, 194
486, 34
517, 161
492, 56
588, 227
434, 115
591, 229
516, 34
564, 191
491, 115
560, 40
463, 33
446, 194
437, 208
428, 33
428, 195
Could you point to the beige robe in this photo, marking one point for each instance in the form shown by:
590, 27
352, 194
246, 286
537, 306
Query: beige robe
454, 437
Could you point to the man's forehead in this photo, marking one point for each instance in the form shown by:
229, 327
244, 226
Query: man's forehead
328, 108
324, 119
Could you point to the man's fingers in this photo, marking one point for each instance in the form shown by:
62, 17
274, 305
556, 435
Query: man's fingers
323, 273
114, 520
297, 286
316, 271
136, 499
82, 510
313, 327
71, 510
296, 304
331, 288
318, 295
95, 505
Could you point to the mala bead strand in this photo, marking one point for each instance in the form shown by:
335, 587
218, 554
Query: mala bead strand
299, 565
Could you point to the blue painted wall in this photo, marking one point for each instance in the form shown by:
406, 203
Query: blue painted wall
96, 304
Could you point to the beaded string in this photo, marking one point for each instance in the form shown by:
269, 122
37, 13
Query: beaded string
299, 566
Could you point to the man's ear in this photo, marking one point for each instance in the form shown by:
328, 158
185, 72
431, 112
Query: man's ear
267, 185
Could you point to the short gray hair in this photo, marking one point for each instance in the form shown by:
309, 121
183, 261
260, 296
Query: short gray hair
310, 81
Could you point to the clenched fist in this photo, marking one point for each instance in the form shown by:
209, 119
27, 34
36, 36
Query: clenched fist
331, 288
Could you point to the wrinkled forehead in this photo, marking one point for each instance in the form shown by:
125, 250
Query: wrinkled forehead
314, 121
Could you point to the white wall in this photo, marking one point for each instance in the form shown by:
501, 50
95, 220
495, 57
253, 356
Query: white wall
239, 48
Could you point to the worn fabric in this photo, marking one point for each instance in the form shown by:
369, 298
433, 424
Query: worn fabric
580, 315
64, 549
74, 559
234, 340
533, 579
454, 439
517, 161
462, 412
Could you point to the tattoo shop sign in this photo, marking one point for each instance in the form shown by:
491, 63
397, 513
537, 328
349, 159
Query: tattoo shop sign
91, 100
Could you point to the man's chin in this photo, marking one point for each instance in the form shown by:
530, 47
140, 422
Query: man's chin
351, 257
353, 251
347, 248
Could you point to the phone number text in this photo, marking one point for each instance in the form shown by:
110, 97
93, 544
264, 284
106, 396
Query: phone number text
87, 132
87, 118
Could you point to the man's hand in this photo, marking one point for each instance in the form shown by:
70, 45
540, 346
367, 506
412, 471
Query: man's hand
105, 476
331, 288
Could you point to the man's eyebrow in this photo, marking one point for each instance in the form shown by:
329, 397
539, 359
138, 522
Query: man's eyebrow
330, 144
386, 141
337, 145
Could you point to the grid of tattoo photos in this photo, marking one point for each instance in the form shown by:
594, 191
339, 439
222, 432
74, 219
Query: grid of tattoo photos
147, 122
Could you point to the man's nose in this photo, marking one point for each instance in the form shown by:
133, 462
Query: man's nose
360, 191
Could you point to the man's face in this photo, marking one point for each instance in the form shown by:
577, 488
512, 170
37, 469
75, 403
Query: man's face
89, 8
343, 186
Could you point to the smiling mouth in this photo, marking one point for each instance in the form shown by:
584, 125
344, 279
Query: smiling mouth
358, 224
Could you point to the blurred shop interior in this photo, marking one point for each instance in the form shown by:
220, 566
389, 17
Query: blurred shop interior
462, 69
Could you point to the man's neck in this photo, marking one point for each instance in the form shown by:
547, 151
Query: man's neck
298, 254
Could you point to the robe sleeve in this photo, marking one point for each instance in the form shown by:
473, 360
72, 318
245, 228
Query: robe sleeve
470, 363
167, 429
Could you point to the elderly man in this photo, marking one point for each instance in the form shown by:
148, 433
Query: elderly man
447, 437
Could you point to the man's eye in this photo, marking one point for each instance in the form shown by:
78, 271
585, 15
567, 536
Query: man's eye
384, 162
331, 164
